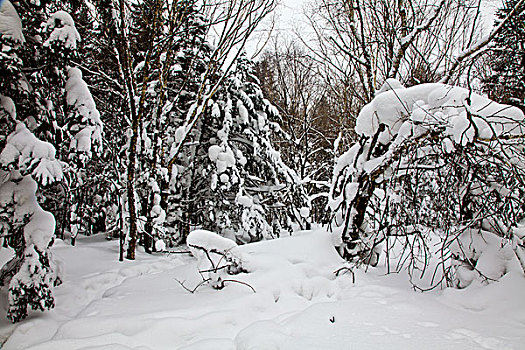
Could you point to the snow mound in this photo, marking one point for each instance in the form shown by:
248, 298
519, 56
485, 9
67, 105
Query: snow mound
487, 258
215, 255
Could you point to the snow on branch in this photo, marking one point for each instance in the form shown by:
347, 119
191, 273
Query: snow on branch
437, 160
26, 153
10, 23
217, 257
83, 119
64, 33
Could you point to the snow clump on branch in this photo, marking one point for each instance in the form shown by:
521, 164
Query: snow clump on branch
64, 32
10, 23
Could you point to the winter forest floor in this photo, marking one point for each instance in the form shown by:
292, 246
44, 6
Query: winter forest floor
298, 304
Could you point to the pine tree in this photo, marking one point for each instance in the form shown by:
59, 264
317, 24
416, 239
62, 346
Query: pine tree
25, 226
237, 183
24, 160
42, 114
506, 59
84, 127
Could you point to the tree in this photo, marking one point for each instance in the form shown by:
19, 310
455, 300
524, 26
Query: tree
241, 187
433, 160
506, 81
25, 226
84, 126
464, 60
33, 108
235, 21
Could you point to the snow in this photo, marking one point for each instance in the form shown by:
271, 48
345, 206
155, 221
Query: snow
390, 84
180, 134
243, 113
426, 102
213, 152
246, 201
304, 212
63, 29
26, 152
10, 23
223, 159
494, 258
86, 124
299, 304
39, 231
40, 228
208, 240
8, 106
160, 245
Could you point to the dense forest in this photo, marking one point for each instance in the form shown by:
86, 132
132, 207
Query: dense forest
396, 125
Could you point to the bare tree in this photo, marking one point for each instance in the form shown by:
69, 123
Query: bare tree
365, 42
312, 117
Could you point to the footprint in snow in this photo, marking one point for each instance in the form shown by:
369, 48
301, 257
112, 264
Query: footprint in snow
428, 324
391, 331
276, 295
378, 333
483, 342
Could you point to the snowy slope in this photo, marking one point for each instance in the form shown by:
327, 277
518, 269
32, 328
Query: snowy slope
298, 304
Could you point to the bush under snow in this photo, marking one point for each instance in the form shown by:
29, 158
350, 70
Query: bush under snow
432, 160
217, 256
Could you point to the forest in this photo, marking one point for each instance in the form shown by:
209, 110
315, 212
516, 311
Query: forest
197, 151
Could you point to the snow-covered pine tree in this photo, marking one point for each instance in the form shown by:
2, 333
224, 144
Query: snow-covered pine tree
240, 186
506, 58
84, 128
76, 124
34, 109
24, 160
52, 43
25, 226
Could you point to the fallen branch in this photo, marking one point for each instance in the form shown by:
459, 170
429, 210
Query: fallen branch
203, 282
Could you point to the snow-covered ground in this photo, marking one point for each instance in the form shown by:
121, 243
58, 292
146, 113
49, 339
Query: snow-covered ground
299, 304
